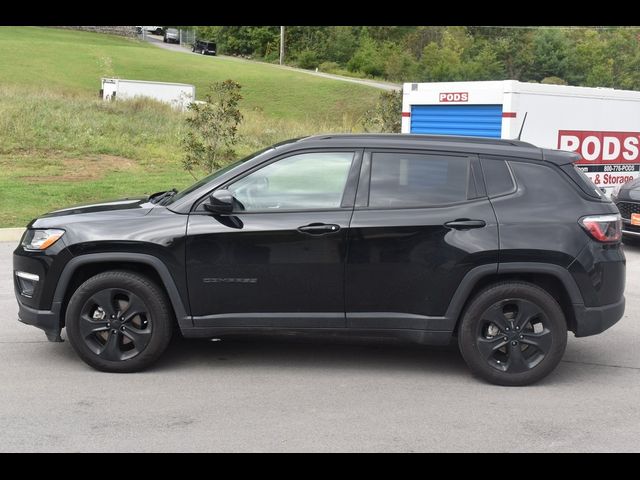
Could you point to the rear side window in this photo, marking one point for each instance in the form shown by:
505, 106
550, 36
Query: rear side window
417, 180
497, 177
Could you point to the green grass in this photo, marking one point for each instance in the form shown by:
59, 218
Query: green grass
61, 145
73, 62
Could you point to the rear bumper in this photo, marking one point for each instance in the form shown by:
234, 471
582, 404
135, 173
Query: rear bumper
47, 320
594, 320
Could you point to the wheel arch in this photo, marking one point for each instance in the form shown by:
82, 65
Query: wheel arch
83, 267
554, 279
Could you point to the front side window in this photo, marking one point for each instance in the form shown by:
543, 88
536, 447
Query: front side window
300, 182
417, 180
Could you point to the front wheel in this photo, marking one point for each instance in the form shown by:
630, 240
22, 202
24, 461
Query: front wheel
119, 321
513, 333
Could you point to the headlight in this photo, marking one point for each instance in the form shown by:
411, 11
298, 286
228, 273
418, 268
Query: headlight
41, 239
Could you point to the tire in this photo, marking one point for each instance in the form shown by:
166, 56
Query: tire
507, 318
106, 343
203, 52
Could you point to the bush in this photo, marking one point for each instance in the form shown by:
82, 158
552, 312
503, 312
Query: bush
367, 59
554, 81
399, 65
213, 128
307, 59
273, 56
329, 67
386, 116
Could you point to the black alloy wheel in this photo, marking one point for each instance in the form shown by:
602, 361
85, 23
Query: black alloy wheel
115, 324
512, 333
119, 321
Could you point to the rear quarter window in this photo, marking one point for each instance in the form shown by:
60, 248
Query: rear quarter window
582, 180
497, 177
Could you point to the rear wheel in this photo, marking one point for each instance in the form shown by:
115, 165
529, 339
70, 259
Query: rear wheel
119, 322
513, 333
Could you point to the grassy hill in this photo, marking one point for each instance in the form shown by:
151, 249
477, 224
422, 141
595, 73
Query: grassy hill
73, 62
60, 144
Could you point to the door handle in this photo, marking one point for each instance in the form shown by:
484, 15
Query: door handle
319, 229
465, 224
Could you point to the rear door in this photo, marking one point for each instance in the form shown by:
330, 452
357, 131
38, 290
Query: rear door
421, 222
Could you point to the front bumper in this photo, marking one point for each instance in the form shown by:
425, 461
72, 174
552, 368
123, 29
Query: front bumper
594, 320
47, 320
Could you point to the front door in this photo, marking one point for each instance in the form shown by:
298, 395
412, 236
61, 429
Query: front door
278, 261
421, 222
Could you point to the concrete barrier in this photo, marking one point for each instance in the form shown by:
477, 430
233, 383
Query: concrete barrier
11, 234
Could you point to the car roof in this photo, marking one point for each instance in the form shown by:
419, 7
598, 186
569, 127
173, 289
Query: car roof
451, 143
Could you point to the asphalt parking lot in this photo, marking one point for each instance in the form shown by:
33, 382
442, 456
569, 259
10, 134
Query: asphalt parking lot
267, 395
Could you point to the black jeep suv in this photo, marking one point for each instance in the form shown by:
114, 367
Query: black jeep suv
204, 47
498, 244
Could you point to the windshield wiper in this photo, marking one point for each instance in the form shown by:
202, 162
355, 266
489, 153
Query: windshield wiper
158, 197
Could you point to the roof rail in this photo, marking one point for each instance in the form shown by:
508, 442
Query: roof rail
426, 138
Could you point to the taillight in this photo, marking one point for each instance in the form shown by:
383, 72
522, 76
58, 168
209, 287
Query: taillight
603, 228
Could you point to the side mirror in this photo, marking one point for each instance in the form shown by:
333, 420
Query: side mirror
220, 202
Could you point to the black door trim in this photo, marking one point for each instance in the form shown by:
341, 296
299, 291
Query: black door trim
300, 320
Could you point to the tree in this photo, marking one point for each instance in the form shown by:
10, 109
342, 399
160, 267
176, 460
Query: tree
386, 115
514, 49
551, 49
213, 128
368, 59
343, 44
596, 57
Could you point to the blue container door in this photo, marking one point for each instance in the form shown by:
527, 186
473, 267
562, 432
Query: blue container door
468, 120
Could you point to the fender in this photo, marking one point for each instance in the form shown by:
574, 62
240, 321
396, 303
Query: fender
557, 271
184, 320
476, 274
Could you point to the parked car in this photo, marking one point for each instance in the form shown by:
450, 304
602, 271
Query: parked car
498, 245
627, 199
204, 47
151, 29
171, 35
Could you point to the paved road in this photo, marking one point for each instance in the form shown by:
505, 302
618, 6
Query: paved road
157, 41
260, 395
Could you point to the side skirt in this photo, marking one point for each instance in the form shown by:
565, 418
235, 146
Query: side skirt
414, 336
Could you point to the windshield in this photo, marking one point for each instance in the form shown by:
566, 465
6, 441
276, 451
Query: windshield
213, 176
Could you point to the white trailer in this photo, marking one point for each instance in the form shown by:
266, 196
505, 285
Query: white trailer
602, 124
178, 95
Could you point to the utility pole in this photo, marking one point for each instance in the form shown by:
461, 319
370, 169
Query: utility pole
281, 45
